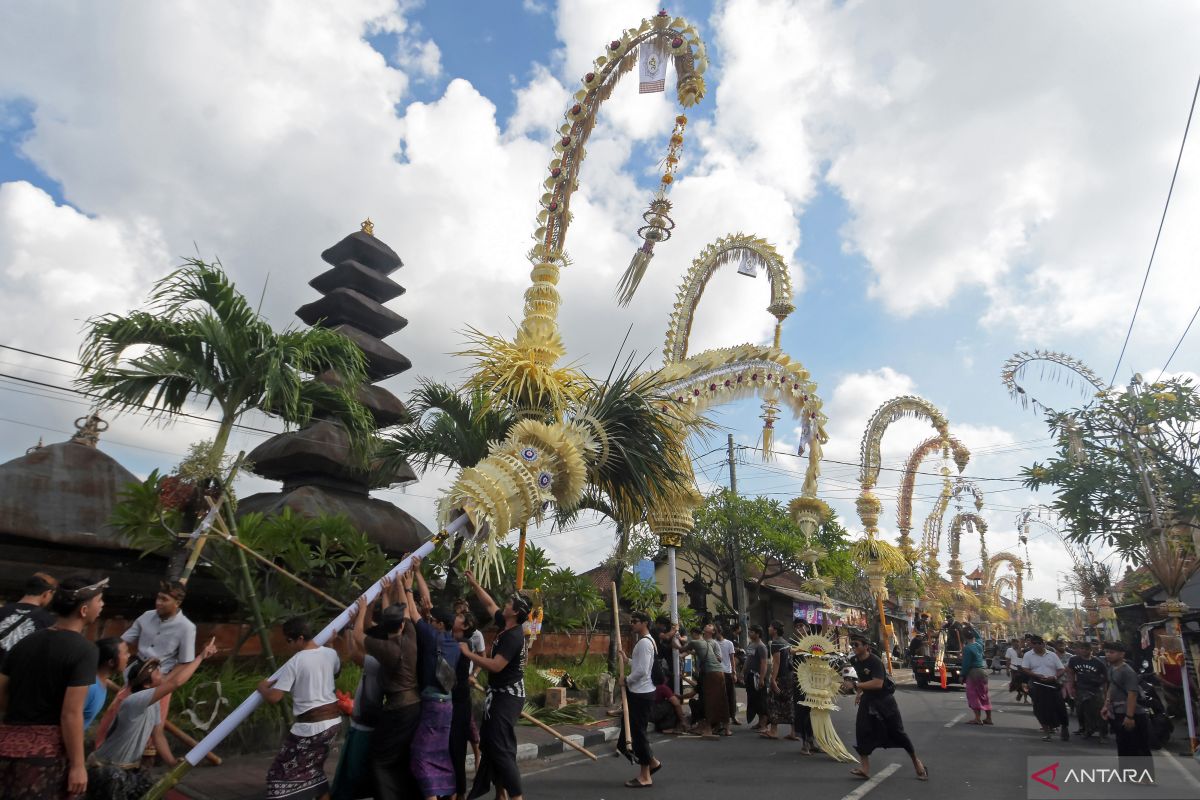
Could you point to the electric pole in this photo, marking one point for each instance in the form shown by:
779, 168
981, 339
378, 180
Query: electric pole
735, 555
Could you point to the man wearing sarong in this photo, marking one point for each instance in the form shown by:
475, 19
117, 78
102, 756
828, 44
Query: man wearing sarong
115, 769
1089, 673
44, 681
298, 770
976, 680
878, 724
391, 742
505, 694
781, 685
437, 663
354, 776
728, 653
462, 720
1044, 668
163, 633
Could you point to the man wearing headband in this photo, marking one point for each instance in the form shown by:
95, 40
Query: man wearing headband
878, 724
505, 694
115, 769
163, 633
43, 685
396, 652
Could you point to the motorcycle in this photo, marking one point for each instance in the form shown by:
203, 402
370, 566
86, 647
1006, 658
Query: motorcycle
1150, 698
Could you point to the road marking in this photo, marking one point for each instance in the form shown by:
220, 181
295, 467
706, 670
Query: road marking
872, 782
1189, 777
955, 721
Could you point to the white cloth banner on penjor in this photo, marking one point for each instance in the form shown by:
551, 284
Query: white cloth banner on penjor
652, 68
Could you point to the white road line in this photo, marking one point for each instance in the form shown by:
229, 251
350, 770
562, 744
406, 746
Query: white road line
1189, 777
872, 782
955, 721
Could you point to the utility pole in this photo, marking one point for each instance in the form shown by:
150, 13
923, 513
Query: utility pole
735, 554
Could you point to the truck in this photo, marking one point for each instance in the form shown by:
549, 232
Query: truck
927, 667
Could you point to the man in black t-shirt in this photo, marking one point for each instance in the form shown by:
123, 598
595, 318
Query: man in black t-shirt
44, 682
29, 614
505, 693
1090, 674
878, 724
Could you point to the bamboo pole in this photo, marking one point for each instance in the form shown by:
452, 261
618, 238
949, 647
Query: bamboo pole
227, 536
202, 538
521, 561
525, 715
621, 675
239, 714
174, 730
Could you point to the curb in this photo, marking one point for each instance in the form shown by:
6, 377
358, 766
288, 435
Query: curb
532, 752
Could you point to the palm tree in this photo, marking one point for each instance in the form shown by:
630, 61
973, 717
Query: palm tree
198, 337
450, 428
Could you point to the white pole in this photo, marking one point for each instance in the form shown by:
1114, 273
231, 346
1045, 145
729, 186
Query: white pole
674, 593
239, 714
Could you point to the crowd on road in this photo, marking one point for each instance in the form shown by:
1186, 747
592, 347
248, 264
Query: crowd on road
408, 734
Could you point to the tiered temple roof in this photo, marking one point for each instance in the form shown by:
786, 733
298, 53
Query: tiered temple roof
315, 464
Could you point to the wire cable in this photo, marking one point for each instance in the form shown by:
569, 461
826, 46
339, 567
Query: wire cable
1161, 221
1177, 344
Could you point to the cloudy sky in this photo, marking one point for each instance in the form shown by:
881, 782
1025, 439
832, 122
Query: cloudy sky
949, 182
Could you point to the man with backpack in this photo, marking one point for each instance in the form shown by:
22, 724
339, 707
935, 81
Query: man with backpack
437, 666
639, 689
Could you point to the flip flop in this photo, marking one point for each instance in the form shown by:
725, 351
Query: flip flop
923, 775
791, 737
767, 736
634, 783
988, 722
656, 769
858, 773
973, 722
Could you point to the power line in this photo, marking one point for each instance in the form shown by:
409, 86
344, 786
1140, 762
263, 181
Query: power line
1179, 343
1161, 221
887, 469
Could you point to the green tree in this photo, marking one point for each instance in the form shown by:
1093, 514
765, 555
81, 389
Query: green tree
1127, 473
199, 338
769, 541
327, 552
1103, 451
1046, 618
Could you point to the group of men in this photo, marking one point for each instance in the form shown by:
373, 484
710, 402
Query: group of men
1105, 693
409, 732
54, 682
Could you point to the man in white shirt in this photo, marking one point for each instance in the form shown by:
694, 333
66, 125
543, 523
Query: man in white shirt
165, 635
1016, 682
1044, 669
639, 689
299, 768
727, 648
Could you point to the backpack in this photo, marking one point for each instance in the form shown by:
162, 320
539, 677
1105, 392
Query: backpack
658, 666
445, 673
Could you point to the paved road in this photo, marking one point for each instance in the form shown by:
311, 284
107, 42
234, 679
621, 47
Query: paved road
965, 762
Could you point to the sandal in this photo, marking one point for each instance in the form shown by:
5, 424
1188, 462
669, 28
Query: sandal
791, 737
634, 783
974, 722
923, 775
656, 769
765, 735
858, 773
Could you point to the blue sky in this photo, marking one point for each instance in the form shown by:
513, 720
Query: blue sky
949, 188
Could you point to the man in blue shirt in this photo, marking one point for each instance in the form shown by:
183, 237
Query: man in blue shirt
437, 661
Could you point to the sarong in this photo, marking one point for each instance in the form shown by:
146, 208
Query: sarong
716, 707
431, 764
33, 763
779, 704
353, 777
977, 690
298, 770
1047, 704
498, 745
108, 782
879, 726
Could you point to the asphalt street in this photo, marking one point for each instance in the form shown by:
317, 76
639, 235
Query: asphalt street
965, 762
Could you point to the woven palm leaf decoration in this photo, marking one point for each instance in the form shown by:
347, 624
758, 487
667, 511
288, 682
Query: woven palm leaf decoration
820, 683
